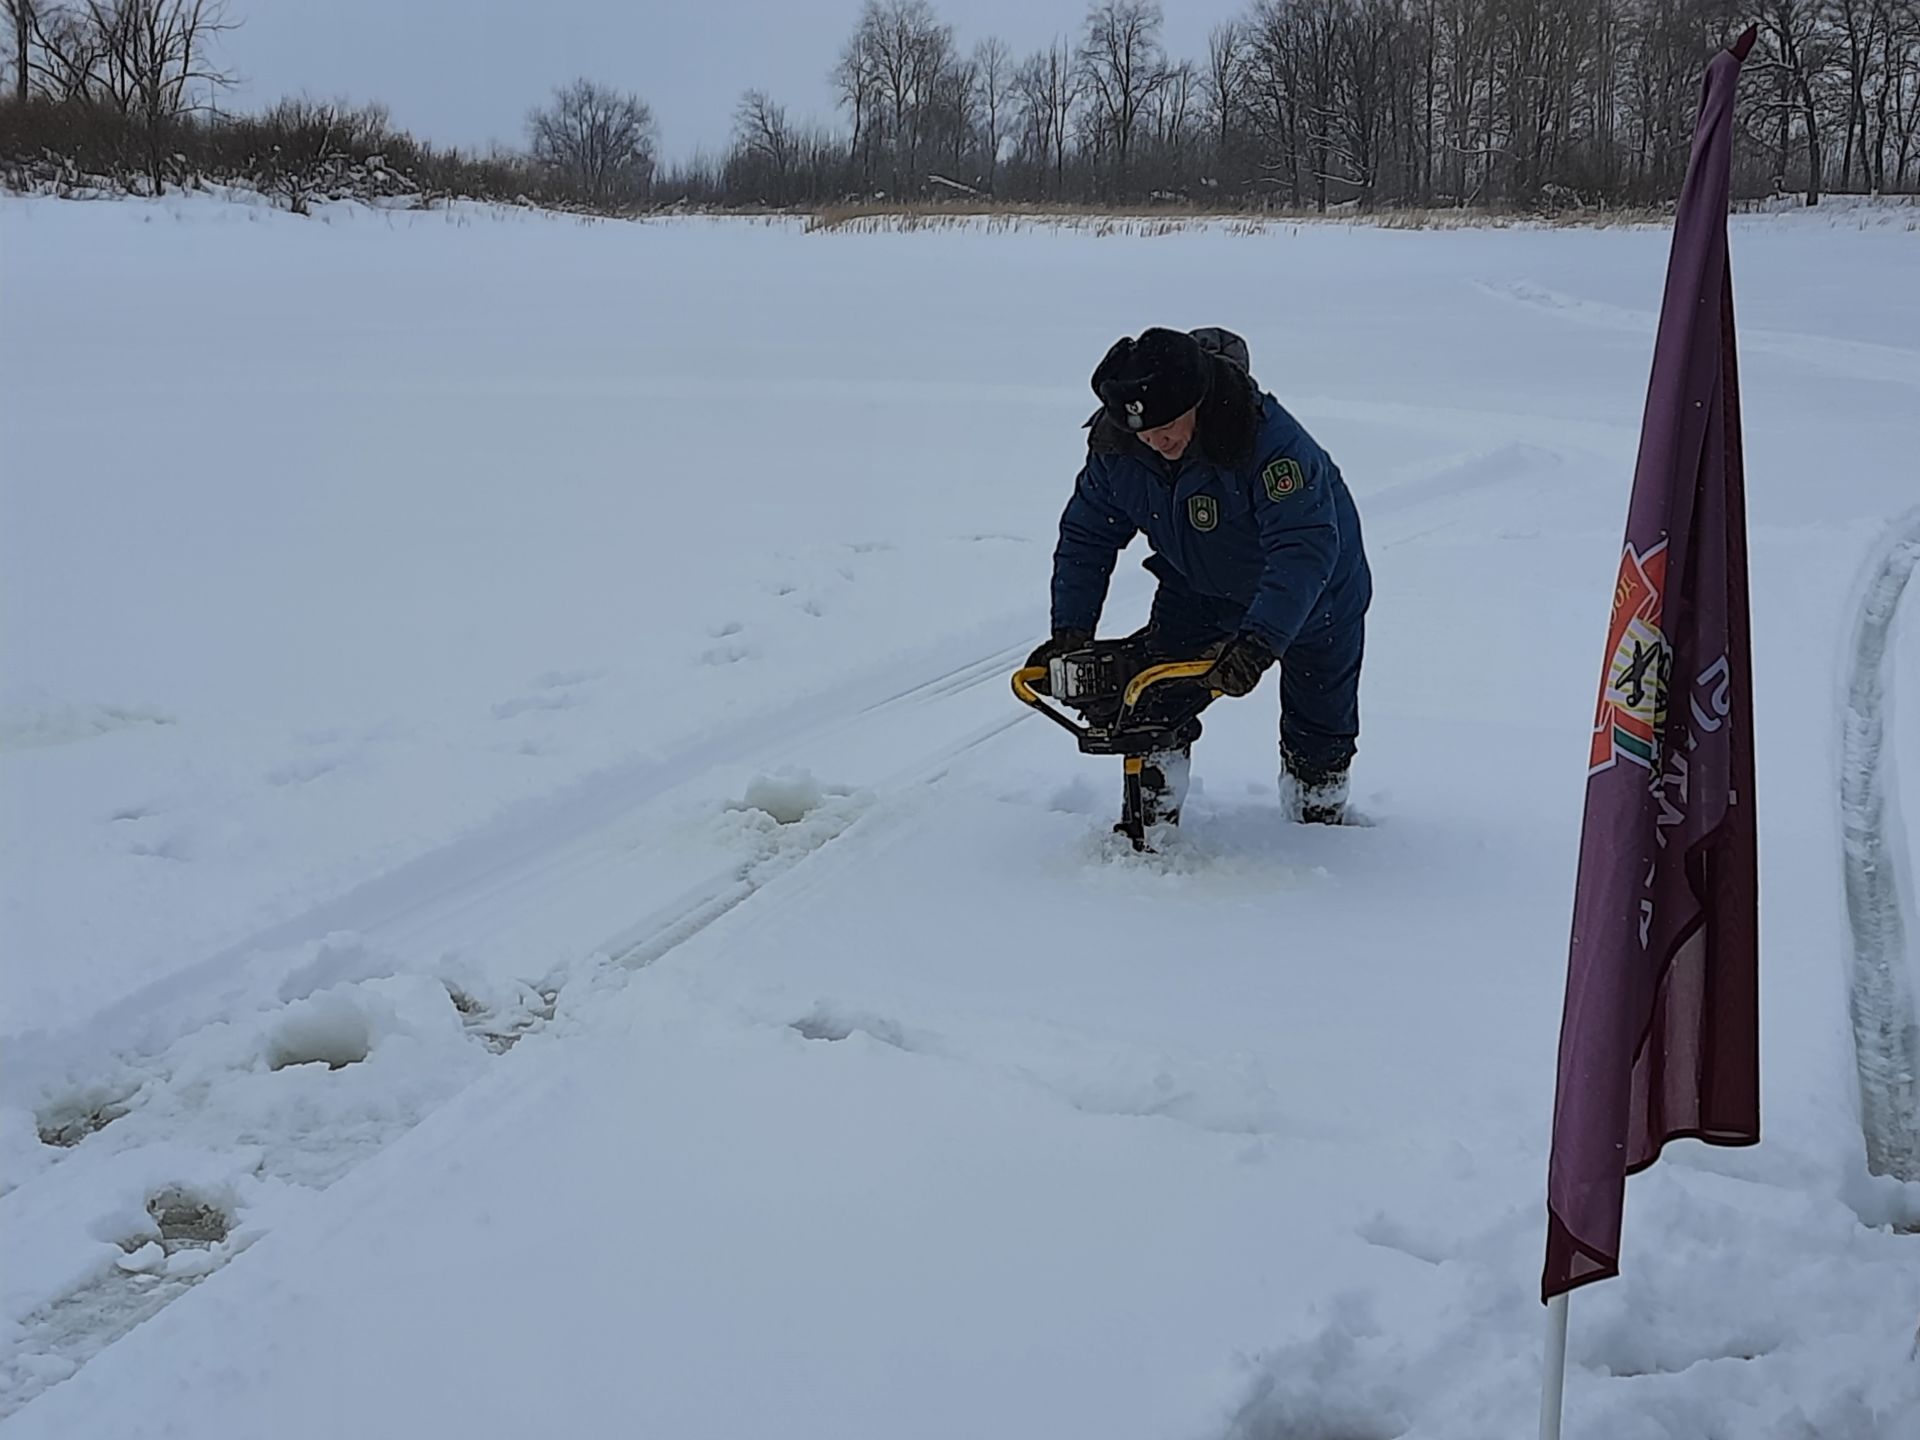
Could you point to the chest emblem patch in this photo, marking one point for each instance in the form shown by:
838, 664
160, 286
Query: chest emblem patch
1283, 479
1203, 511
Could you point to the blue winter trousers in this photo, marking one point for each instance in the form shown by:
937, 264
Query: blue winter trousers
1319, 673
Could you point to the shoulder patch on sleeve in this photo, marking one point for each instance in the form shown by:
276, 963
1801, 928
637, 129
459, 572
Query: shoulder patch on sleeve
1283, 479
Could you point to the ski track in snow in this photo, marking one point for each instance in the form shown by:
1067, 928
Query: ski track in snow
143, 1096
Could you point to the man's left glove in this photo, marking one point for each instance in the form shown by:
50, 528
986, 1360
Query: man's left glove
1240, 665
1064, 642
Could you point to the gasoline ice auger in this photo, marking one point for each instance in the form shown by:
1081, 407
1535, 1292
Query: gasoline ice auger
1127, 706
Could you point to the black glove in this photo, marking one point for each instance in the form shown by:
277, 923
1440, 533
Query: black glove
1240, 665
1064, 642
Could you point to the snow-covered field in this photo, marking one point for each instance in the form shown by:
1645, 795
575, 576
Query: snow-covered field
529, 907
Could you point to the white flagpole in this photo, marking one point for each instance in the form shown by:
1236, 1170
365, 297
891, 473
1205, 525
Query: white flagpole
1554, 1377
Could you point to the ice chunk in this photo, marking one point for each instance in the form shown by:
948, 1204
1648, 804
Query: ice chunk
148, 1259
328, 1027
789, 796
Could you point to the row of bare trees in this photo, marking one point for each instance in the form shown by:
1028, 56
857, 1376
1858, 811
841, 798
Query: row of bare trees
143, 61
127, 91
1374, 102
1298, 103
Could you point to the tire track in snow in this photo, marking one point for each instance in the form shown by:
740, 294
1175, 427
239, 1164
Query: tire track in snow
1886, 1024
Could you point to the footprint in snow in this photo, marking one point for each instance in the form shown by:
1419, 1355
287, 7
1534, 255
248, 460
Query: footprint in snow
1382, 1230
566, 679
167, 847
829, 1025
302, 771
66, 1120
551, 690
183, 1219
549, 700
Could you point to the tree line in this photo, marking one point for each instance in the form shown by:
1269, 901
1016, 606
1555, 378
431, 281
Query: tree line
1313, 103
1301, 104
127, 93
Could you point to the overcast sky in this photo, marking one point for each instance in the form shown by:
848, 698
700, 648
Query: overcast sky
465, 72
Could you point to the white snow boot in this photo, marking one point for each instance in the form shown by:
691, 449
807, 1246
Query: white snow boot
1314, 797
1163, 785
1162, 782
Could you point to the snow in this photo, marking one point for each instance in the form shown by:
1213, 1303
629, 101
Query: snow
528, 903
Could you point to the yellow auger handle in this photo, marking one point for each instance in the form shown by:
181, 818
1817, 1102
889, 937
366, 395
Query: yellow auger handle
1179, 670
1023, 683
1023, 687
1154, 674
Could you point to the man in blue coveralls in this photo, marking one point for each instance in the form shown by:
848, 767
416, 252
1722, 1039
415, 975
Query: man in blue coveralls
1256, 545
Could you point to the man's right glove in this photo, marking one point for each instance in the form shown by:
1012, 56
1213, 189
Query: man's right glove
1064, 642
1240, 666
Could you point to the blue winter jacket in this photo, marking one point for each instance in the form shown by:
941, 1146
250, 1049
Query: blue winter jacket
1255, 514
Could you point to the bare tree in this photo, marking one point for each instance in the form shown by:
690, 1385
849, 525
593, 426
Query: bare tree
1124, 65
762, 133
993, 79
60, 55
149, 59
1223, 84
857, 77
597, 141
1173, 106
1363, 40
19, 15
953, 113
1859, 22
1798, 53
1880, 50
1048, 88
1898, 104
909, 49
1278, 91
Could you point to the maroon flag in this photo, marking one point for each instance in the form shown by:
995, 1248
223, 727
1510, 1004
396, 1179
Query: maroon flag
1660, 1036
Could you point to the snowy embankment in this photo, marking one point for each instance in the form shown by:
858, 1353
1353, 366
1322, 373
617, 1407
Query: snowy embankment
528, 904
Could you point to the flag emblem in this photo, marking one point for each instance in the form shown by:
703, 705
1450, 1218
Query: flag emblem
1633, 692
